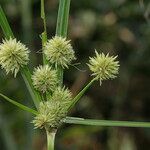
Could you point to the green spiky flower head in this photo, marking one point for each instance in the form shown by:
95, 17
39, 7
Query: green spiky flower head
51, 114
103, 66
62, 95
59, 52
44, 79
13, 55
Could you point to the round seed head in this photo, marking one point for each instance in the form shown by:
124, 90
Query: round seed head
59, 52
13, 55
44, 79
62, 95
51, 114
104, 66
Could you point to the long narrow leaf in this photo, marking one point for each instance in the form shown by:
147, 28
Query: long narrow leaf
63, 17
5, 25
62, 27
107, 123
25, 72
23, 107
27, 78
60, 18
77, 98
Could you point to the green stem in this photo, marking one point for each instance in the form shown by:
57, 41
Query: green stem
44, 34
50, 139
5, 25
60, 74
106, 123
28, 81
77, 98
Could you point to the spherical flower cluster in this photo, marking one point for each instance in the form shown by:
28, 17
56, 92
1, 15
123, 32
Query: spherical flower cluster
103, 66
13, 55
59, 52
62, 95
51, 114
44, 79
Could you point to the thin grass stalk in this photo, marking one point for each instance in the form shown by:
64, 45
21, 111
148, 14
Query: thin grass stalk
44, 34
81, 93
5, 25
28, 81
106, 123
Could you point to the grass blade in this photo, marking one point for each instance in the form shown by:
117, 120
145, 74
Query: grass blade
23, 107
5, 25
77, 98
34, 94
60, 18
63, 17
62, 27
107, 123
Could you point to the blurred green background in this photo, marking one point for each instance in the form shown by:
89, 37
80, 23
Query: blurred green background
120, 27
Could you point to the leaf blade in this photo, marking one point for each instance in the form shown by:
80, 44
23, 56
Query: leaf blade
27, 79
21, 106
62, 27
106, 123
5, 25
62, 19
80, 94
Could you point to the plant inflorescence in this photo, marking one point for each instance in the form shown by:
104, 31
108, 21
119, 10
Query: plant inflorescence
55, 100
52, 99
59, 52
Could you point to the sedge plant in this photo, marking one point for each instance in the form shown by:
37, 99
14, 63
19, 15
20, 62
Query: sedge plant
51, 98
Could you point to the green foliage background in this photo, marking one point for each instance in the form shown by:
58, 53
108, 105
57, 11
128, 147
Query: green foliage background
120, 27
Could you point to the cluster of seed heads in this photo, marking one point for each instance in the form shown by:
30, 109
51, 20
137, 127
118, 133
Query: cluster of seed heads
52, 112
59, 53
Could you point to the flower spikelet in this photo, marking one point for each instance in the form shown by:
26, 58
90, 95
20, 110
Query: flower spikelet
13, 55
59, 52
44, 79
51, 114
104, 66
62, 94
